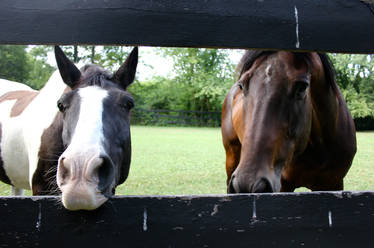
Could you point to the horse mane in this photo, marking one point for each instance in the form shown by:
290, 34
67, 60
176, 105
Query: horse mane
94, 75
250, 56
329, 70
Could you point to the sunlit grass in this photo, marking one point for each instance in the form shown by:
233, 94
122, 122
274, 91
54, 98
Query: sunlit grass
361, 174
171, 160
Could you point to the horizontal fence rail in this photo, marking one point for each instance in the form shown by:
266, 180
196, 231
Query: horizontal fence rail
318, 25
318, 219
364, 123
175, 118
205, 118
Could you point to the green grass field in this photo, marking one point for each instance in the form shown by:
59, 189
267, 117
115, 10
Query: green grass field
178, 161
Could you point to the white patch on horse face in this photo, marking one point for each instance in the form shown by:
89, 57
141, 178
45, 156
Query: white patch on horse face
267, 70
86, 145
88, 133
268, 73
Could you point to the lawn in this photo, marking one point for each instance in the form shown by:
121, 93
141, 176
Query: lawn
177, 161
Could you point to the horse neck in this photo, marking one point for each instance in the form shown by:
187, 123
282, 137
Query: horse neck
55, 86
39, 116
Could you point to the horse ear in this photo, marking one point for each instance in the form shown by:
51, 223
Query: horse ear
125, 75
69, 72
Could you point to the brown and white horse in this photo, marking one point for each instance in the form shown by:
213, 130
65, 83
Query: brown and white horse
72, 136
286, 125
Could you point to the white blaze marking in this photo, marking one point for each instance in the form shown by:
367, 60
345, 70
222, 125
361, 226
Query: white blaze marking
297, 28
88, 132
267, 73
267, 70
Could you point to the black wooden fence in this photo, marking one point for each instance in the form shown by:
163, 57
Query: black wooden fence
318, 25
175, 118
157, 117
335, 219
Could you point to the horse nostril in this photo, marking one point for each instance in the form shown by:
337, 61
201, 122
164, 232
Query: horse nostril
105, 174
63, 171
230, 188
262, 186
233, 186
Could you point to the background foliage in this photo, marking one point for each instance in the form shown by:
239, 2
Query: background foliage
199, 79
354, 74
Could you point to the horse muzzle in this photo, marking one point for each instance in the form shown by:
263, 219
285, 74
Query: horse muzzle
85, 184
242, 184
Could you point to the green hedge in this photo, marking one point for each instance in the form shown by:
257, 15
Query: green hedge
208, 119
364, 123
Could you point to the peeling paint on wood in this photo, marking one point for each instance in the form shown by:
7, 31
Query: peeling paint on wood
333, 26
318, 219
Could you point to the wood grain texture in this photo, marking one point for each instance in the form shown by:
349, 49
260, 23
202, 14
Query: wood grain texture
334, 26
322, 219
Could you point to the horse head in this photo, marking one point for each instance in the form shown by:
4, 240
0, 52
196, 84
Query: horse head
95, 113
273, 117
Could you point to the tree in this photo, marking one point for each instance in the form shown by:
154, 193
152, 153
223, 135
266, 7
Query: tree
14, 64
72, 52
354, 75
112, 57
40, 69
203, 76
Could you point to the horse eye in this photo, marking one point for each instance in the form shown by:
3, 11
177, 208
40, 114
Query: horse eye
300, 90
127, 105
240, 86
61, 106
302, 86
130, 104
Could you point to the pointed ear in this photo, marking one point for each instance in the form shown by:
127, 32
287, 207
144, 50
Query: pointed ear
125, 75
69, 72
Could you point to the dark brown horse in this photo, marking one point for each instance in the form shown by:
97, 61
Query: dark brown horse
286, 125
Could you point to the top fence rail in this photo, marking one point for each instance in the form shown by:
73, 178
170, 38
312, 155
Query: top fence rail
310, 25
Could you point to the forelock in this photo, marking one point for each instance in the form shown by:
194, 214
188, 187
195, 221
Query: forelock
94, 75
248, 58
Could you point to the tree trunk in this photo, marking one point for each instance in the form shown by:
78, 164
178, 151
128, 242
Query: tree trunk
75, 55
93, 54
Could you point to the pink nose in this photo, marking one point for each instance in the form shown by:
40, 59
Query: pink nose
71, 169
83, 181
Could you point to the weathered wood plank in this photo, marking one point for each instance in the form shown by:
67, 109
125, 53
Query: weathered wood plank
337, 219
334, 26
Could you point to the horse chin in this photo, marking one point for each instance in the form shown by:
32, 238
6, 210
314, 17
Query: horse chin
83, 197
